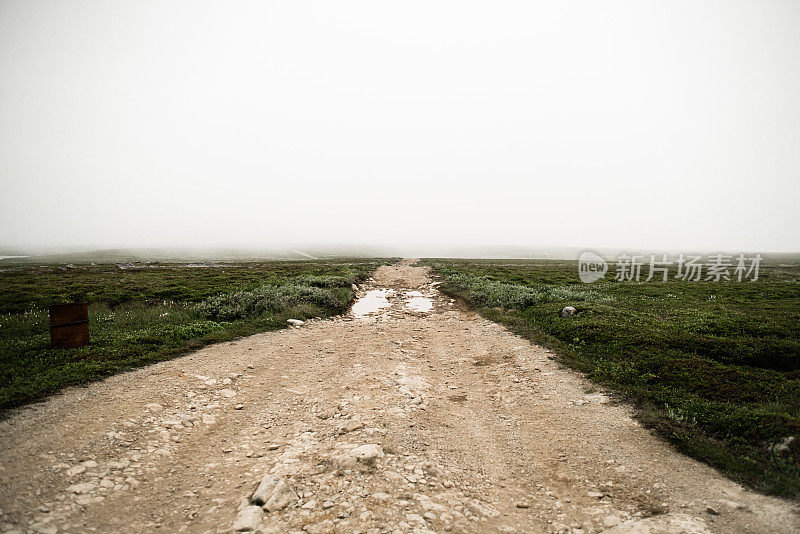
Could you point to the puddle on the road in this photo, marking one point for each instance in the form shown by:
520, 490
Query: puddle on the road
373, 302
418, 302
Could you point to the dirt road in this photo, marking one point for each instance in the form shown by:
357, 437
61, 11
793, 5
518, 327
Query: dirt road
418, 417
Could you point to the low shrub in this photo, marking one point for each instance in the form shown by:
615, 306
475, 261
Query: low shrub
266, 299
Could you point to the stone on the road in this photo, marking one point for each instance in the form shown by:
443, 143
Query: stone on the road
264, 490
274, 493
77, 470
323, 527
295, 322
282, 496
349, 426
248, 519
86, 487
367, 453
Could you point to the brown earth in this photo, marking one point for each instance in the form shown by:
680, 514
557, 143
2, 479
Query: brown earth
467, 427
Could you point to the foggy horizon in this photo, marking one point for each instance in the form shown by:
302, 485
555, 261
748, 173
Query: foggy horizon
450, 125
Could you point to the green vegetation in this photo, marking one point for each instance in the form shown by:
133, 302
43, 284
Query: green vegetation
713, 367
147, 313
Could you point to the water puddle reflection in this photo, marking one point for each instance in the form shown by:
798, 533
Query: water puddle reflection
418, 302
371, 303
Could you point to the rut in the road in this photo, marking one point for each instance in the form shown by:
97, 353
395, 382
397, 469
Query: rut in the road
416, 416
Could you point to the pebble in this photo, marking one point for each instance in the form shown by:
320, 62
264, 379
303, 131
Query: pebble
248, 519
414, 518
350, 426
86, 487
367, 453
274, 493
568, 311
264, 490
77, 470
323, 527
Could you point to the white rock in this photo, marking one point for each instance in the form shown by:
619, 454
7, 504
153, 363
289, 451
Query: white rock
349, 426
273, 493
367, 453
86, 487
568, 311
323, 527
295, 322
265, 488
227, 393
282, 496
122, 464
785, 446
414, 518
77, 470
481, 509
248, 519
172, 422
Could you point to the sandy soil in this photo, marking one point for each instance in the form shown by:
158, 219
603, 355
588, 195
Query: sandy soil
403, 421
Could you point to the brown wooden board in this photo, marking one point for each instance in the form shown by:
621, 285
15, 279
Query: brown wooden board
75, 312
69, 325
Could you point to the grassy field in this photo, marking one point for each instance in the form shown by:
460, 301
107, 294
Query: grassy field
147, 313
712, 366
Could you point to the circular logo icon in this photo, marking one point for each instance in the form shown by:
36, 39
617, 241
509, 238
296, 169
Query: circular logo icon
591, 267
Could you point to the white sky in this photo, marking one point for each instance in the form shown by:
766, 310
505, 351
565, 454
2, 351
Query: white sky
252, 124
